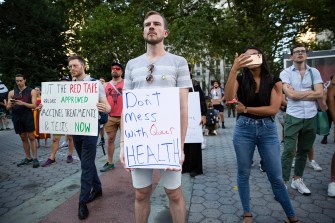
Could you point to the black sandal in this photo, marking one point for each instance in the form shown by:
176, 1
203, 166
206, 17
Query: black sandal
296, 221
247, 216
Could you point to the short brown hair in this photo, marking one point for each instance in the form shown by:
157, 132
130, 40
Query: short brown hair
81, 60
296, 46
150, 13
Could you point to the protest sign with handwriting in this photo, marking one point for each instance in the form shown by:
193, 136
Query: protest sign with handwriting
194, 128
69, 108
151, 130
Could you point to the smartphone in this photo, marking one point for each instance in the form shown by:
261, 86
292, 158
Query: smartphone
256, 59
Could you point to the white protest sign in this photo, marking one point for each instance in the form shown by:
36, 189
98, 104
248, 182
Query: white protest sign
151, 119
194, 129
69, 108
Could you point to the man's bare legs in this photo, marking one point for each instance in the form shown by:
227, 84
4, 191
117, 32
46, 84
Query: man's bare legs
24, 137
71, 145
177, 205
25, 143
142, 204
111, 146
54, 146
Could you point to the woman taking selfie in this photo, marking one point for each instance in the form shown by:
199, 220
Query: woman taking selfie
259, 97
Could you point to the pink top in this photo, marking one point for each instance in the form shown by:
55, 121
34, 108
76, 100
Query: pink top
114, 98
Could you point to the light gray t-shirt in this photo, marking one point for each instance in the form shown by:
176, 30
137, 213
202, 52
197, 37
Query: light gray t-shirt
301, 108
169, 71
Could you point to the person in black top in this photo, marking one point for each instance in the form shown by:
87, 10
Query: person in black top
259, 97
22, 100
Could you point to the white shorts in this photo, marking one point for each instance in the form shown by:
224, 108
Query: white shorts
143, 178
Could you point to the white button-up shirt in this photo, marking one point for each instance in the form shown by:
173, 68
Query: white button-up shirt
301, 108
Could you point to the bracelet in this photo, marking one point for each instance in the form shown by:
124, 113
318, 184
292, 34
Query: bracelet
245, 109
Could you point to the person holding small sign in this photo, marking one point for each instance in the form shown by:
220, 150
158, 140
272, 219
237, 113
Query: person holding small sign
158, 69
85, 145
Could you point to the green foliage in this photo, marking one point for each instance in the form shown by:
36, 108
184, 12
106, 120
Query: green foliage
30, 40
36, 36
110, 35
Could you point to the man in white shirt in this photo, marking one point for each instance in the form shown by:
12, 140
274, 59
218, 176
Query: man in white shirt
302, 86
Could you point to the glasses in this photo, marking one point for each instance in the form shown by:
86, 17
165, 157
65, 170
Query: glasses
116, 68
73, 66
150, 78
299, 51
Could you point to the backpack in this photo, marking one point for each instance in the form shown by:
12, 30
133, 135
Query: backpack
210, 117
103, 117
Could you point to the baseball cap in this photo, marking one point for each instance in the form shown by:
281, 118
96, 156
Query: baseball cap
118, 64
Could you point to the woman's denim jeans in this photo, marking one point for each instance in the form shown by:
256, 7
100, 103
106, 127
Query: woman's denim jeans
263, 134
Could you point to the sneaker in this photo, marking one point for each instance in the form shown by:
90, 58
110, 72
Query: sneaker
69, 159
331, 189
107, 166
63, 145
49, 162
252, 163
36, 163
24, 162
299, 185
293, 163
215, 133
314, 165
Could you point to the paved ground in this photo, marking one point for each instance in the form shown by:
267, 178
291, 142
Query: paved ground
51, 194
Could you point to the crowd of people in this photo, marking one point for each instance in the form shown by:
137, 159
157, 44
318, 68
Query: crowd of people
252, 95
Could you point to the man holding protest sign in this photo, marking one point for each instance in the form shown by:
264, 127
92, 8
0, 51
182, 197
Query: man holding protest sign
113, 90
155, 70
86, 145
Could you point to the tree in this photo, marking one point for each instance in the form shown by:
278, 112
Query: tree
31, 40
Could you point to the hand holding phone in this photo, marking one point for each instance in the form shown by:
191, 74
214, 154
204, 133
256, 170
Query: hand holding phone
256, 59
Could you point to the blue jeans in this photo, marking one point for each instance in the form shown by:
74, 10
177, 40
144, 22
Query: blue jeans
86, 147
262, 133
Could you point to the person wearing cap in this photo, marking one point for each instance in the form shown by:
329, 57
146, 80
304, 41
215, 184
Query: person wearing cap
217, 98
113, 90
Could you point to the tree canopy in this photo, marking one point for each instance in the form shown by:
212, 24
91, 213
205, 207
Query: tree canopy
31, 40
36, 36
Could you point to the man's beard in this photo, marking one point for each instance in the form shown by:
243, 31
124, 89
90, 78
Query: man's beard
115, 75
153, 41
